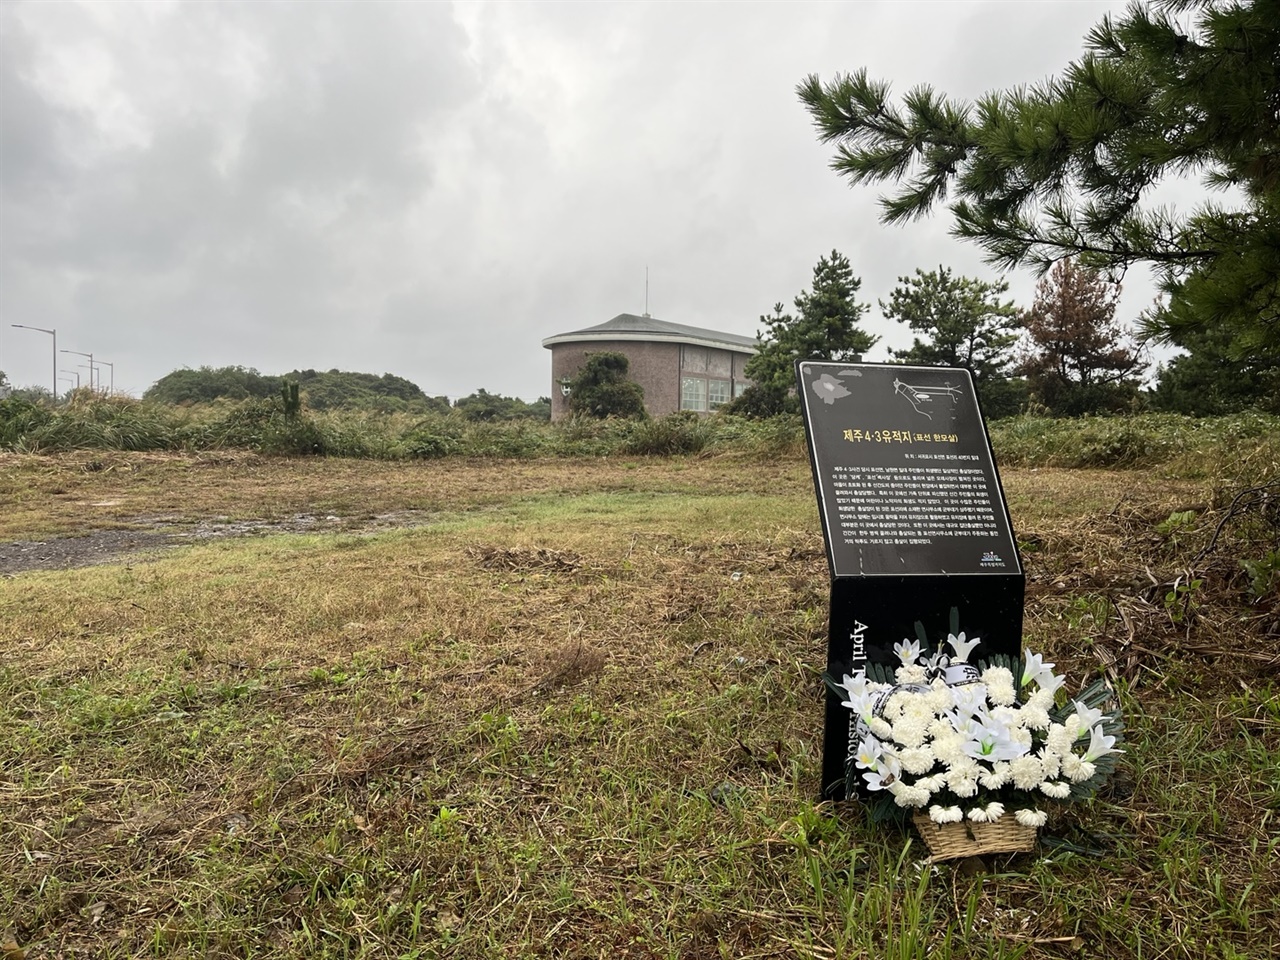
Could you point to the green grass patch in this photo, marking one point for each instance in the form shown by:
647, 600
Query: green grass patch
578, 713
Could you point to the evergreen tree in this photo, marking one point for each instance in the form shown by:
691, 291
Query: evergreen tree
1209, 382
965, 324
964, 320
1066, 168
1077, 359
824, 327
601, 389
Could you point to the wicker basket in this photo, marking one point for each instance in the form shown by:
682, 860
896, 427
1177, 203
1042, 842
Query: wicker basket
950, 841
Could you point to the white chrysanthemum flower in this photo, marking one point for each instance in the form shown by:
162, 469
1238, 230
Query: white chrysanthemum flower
1026, 772
918, 708
1000, 689
1022, 737
949, 750
1077, 768
994, 811
939, 700
1034, 718
940, 814
978, 815
1031, 818
905, 795
896, 703
909, 732
961, 646
1056, 789
932, 783
996, 777
917, 760
1059, 739
880, 727
940, 728
1052, 763
910, 674
963, 786
1041, 700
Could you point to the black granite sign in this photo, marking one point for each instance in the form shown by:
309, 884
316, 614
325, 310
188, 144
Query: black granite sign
913, 514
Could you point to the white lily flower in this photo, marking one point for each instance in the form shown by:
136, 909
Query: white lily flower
961, 646
1099, 745
990, 740
1035, 670
870, 750
886, 772
1078, 723
908, 651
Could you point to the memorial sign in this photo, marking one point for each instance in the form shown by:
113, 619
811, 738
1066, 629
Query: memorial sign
913, 515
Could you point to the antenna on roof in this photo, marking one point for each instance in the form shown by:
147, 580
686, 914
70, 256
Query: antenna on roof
646, 291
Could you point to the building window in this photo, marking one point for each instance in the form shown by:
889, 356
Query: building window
739, 388
717, 394
693, 393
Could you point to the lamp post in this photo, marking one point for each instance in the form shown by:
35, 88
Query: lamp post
68, 380
74, 373
108, 363
80, 353
53, 333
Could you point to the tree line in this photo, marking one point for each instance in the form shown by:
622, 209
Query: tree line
1065, 354
337, 389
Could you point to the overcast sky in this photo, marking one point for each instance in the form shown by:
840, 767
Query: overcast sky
430, 189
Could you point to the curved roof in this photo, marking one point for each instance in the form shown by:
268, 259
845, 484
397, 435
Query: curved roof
627, 326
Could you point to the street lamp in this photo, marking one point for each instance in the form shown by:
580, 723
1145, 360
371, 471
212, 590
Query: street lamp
53, 333
82, 354
108, 363
68, 380
74, 373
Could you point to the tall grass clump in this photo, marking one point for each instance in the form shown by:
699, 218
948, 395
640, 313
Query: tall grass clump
1143, 440
88, 421
676, 433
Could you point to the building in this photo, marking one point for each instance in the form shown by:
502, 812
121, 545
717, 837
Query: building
679, 367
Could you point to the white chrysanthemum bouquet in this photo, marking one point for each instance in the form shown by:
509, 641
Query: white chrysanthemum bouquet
973, 741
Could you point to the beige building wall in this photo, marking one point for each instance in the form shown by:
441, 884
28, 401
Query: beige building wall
655, 366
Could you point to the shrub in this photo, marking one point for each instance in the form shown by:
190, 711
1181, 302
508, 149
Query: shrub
683, 432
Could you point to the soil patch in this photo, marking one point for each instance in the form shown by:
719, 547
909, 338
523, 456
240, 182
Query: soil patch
158, 533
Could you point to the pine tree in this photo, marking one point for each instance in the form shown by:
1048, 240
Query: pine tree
1077, 359
1066, 168
963, 319
601, 389
824, 327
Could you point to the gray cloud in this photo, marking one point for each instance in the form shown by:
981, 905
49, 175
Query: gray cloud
430, 190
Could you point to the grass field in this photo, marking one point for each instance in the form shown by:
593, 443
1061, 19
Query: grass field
573, 710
